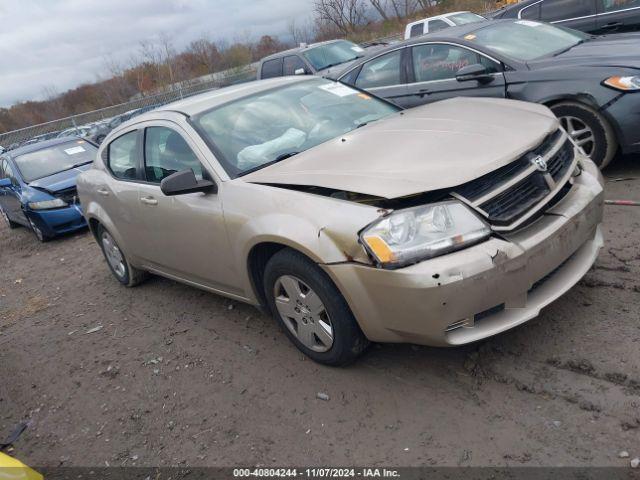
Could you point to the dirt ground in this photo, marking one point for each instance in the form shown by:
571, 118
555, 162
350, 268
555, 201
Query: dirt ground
177, 376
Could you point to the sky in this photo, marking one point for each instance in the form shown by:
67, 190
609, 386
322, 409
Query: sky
55, 45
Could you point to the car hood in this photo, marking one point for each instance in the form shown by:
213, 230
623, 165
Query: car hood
436, 146
61, 180
619, 50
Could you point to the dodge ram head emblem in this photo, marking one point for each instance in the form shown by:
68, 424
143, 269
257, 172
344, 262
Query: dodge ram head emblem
540, 163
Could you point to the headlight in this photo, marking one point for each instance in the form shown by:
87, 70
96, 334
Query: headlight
626, 84
408, 236
47, 204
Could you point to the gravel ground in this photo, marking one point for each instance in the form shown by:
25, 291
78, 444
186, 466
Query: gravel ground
177, 376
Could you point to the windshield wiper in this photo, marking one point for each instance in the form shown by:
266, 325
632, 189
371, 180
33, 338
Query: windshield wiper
279, 158
580, 42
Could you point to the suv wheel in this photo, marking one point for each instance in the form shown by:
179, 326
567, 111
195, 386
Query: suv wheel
589, 129
311, 310
118, 264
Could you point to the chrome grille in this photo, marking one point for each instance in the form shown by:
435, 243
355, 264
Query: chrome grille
510, 195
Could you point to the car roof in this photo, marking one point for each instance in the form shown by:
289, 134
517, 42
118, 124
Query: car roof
295, 50
34, 147
213, 98
444, 15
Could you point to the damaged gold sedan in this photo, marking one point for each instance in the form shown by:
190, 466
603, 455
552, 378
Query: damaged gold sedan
346, 218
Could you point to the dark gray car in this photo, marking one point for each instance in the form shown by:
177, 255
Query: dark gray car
593, 16
591, 83
314, 59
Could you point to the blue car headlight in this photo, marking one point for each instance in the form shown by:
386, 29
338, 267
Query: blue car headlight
48, 204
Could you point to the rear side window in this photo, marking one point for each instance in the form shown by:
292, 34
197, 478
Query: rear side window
416, 30
531, 13
272, 68
381, 72
165, 153
293, 63
615, 5
123, 156
436, 25
554, 10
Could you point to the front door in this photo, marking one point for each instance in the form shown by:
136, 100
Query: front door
186, 235
433, 68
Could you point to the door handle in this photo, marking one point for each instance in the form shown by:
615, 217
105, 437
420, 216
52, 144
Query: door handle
103, 191
423, 91
612, 25
149, 200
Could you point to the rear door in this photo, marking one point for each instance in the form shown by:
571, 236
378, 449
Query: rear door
615, 16
432, 74
577, 14
385, 76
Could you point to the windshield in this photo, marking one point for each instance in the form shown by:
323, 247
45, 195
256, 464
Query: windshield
333, 53
257, 130
465, 17
526, 40
51, 160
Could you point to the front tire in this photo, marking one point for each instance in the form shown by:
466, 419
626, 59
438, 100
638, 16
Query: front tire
589, 129
37, 231
311, 310
10, 223
126, 274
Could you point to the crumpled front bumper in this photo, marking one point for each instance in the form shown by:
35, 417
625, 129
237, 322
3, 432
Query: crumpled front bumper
485, 289
58, 221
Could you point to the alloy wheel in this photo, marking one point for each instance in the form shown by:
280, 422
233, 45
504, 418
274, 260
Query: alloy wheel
113, 254
580, 132
303, 313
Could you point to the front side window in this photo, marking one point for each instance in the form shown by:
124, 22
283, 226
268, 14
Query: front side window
526, 40
165, 153
554, 10
381, 72
437, 25
334, 53
293, 63
615, 5
272, 68
249, 133
442, 62
416, 30
55, 159
123, 156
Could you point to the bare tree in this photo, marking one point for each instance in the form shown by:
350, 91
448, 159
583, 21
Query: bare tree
345, 15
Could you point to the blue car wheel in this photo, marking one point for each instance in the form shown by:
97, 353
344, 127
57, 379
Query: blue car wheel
38, 232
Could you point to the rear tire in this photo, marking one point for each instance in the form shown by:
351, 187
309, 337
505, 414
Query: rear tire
10, 223
311, 310
124, 272
589, 129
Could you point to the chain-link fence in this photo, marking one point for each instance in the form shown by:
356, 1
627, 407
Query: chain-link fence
80, 123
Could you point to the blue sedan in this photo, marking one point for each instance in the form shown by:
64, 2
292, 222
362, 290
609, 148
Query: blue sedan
38, 186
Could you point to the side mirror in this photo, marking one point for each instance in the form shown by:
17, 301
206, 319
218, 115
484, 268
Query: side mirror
476, 72
5, 182
299, 71
181, 183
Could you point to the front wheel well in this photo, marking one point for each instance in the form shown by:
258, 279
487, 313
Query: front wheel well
93, 227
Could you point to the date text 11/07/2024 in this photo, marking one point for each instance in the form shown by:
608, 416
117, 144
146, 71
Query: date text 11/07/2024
315, 473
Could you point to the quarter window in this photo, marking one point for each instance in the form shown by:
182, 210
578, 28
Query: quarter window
615, 5
272, 68
436, 25
531, 13
416, 30
293, 63
555, 10
165, 153
442, 62
381, 72
123, 155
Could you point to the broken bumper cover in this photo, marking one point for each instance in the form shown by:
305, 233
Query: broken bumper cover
485, 289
